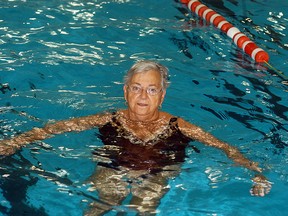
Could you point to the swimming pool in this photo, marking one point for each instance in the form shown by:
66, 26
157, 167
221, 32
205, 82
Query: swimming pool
67, 58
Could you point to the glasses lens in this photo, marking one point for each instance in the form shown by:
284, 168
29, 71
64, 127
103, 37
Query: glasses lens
138, 89
135, 89
153, 91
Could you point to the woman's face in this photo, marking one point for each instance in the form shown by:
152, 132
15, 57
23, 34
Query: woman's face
142, 105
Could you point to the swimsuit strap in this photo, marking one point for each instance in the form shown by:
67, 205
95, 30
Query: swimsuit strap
114, 119
174, 123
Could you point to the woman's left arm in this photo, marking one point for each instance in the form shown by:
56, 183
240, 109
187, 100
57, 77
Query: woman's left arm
9, 146
261, 187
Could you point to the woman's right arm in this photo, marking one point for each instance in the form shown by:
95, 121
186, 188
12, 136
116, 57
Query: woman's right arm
261, 185
9, 146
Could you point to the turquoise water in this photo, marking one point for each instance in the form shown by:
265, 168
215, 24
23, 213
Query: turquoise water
60, 59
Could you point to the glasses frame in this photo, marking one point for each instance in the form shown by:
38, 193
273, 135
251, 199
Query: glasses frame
137, 89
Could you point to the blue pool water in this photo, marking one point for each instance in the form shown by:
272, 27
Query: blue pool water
60, 59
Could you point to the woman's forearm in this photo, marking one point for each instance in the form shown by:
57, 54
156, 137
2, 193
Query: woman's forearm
239, 158
9, 146
232, 152
28, 137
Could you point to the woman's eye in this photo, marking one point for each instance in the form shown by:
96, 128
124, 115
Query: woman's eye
152, 90
135, 88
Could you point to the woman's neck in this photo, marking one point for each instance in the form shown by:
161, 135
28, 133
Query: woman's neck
141, 118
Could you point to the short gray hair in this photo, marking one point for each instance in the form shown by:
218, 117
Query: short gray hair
146, 65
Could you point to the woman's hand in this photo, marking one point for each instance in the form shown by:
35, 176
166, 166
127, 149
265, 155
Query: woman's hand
261, 186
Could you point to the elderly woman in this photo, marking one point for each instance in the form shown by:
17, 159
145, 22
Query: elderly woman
143, 146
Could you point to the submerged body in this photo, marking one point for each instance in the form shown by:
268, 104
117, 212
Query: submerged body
135, 166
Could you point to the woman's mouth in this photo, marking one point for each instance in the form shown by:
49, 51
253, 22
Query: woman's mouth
142, 104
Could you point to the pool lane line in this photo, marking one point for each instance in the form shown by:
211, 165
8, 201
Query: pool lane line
240, 39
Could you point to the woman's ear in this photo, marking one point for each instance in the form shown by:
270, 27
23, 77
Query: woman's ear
163, 96
125, 92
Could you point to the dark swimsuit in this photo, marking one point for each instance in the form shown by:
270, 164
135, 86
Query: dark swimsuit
168, 148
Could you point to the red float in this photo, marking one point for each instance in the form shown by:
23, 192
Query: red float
218, 19
200, 9
194, 5
226, 27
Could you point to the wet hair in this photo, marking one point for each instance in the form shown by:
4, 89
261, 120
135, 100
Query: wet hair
146, 65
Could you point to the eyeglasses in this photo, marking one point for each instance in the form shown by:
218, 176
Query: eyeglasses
136, 89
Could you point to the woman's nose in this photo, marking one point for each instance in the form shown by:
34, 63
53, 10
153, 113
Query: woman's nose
144, 93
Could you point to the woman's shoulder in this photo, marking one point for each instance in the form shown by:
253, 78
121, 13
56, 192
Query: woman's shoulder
99, 119
167, 116
179, 120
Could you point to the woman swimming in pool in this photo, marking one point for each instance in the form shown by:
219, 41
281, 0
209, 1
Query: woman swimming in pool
144, 146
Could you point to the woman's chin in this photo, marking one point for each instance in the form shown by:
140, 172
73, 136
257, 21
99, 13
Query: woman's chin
141, 113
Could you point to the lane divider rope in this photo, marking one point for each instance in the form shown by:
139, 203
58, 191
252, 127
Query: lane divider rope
240, 39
